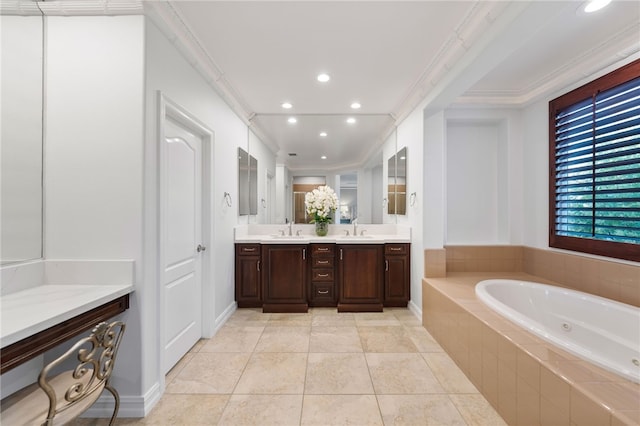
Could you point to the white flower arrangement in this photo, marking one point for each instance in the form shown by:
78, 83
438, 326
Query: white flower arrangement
320, 203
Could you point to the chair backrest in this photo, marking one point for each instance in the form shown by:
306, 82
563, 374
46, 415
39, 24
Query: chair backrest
75, 390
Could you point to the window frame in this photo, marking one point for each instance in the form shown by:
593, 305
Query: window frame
614, 249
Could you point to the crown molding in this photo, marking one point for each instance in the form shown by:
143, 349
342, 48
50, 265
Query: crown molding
481, 17
595, 61
91, 7
172, 24
19, 7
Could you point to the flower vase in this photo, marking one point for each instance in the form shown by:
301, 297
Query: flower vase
322, 228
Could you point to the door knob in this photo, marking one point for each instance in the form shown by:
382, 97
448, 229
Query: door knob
201, 248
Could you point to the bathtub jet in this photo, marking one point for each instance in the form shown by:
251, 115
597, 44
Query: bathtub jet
601, 331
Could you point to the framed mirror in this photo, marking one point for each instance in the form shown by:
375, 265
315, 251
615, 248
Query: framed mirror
391, 185
401, 181
253, 185
397, 183
247, 183
348, 197
21, 159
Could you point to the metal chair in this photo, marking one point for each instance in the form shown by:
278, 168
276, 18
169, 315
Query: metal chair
58, 398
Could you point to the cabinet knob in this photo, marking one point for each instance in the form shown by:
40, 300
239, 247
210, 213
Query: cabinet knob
200, 248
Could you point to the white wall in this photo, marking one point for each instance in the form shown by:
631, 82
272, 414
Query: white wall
410, 135
535, 187
93, 158
266, 163
169, 72
472, 183
434, 170
21, 135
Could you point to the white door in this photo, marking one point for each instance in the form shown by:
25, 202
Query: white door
181, 238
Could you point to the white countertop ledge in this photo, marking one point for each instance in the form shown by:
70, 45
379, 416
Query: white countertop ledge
29, 311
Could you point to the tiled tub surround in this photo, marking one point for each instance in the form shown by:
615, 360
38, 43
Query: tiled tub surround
614, 280
528, 381
585, 325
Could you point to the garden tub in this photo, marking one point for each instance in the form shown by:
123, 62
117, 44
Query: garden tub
599, 330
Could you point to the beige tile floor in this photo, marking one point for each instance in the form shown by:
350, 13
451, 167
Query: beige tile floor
320, 368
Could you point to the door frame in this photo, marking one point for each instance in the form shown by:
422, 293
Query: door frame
167, 108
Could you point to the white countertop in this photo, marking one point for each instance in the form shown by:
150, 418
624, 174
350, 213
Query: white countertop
35, 309
329, 239
367, 234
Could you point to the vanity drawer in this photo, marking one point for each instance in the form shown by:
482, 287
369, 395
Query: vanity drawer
396, 248
322, 262
323, 249
248, 249
322, 275
322, 292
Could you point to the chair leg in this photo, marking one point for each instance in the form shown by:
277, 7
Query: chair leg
116, 397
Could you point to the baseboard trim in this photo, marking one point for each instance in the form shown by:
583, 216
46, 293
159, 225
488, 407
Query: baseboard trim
224, 316
131, 406
415, 309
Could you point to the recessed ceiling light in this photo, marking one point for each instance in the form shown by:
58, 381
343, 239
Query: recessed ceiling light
351, 120
323, 78
356, 105
292, 120
324, 157
287, 105
323, 134
594, 5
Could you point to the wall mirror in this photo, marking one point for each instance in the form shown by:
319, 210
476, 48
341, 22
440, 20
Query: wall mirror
397, 183
247, 183
348, 195
391, 180
22, 117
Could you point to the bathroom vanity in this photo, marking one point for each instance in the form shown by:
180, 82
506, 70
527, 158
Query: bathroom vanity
290, 273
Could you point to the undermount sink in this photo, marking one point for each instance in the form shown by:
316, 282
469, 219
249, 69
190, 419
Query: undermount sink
357, 237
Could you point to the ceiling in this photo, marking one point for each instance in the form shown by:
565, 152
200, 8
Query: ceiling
390, 56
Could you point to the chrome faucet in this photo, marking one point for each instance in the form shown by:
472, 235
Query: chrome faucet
355, 226
290, 225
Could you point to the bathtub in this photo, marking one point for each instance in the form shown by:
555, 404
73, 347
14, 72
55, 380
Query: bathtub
599, 330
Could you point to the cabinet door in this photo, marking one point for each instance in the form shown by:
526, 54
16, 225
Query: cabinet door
284, 278
248, 288
397, 282
360, 279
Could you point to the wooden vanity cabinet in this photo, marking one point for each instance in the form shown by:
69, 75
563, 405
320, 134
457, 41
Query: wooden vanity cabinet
322, 285
397, 270
284, 278
360, 277
248, 276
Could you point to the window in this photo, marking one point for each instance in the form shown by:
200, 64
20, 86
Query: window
594, 182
